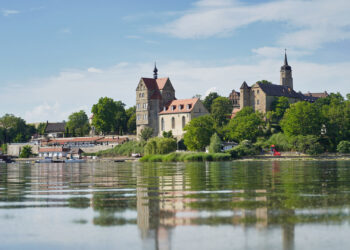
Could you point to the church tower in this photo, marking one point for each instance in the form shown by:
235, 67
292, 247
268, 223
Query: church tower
286, 73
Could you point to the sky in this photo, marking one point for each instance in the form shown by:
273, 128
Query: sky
60, 56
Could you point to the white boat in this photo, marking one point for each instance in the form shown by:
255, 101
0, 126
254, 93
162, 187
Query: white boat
45, 160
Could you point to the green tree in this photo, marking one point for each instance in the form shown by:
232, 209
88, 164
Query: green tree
198, 132
302, 118
15, 129
109, 116
41, 128
221, 110
246, 125
264, 82
279, 107
215, 144
26, 152
131, 120
146, 133
78, 123
208, 100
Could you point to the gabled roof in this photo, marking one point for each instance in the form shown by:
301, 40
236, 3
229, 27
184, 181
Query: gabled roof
180, 106
55, 127
153, 84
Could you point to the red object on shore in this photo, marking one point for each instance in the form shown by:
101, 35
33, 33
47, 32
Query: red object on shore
276, 153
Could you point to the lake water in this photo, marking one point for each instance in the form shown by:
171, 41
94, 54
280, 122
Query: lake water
227, 205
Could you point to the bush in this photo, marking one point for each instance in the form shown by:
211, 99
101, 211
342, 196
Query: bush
343, 147
308, 144
245, 148
280, 141
215, 144
160, 146
26, 152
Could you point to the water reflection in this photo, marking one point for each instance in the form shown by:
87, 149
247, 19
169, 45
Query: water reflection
159, 198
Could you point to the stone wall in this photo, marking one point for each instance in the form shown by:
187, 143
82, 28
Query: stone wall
15, 149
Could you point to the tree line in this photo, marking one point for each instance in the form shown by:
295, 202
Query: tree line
322, 126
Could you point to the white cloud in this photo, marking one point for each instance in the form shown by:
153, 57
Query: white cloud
9, 12
309, 24
210, 90
65, 31
94, 70
56, 97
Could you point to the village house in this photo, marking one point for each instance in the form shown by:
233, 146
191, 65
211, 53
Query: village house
73, 142
75, 153
55, 130
178, 113
155, 99
53, 152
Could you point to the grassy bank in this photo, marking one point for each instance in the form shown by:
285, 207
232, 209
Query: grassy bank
186, 157
125, 149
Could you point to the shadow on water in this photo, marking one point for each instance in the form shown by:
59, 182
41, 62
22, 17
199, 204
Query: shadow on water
159, 197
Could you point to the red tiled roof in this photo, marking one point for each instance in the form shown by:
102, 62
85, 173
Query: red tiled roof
317, 95
77, 139
179, 106
234, 112
153, 84
55, 149
161, 82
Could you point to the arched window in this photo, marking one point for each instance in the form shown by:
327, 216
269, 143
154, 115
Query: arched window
183, 122
173, 123
162, 124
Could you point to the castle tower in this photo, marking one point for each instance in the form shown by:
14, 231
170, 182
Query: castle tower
244, 99
286, 73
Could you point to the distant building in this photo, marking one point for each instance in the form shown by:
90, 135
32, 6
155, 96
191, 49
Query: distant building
56, 152
154, 96
55, 130
260, 96
178, 113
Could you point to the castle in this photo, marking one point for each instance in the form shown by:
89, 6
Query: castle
158, 108
261, 95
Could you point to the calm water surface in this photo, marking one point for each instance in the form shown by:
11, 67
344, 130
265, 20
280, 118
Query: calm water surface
231, 205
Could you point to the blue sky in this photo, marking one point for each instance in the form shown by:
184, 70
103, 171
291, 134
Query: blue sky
60, 56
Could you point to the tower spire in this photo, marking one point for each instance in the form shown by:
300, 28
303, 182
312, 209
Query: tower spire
285, 57
155, 71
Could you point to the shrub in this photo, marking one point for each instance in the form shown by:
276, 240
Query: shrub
160, 146
280, 141
245, 148
308, 144
215, 144
343, 147
146, 133
26, 152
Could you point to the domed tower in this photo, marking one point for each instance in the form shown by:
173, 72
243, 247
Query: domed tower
286, 73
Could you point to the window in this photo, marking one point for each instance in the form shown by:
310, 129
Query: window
145, 105
173, 123
183, 122
138, 117
138, 106
257, 102
173, 107
181, 106
257, 91
189, 106
145, 116
162, 124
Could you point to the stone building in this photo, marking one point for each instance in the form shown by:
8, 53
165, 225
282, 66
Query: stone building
260, 95
154, 97
178, 113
